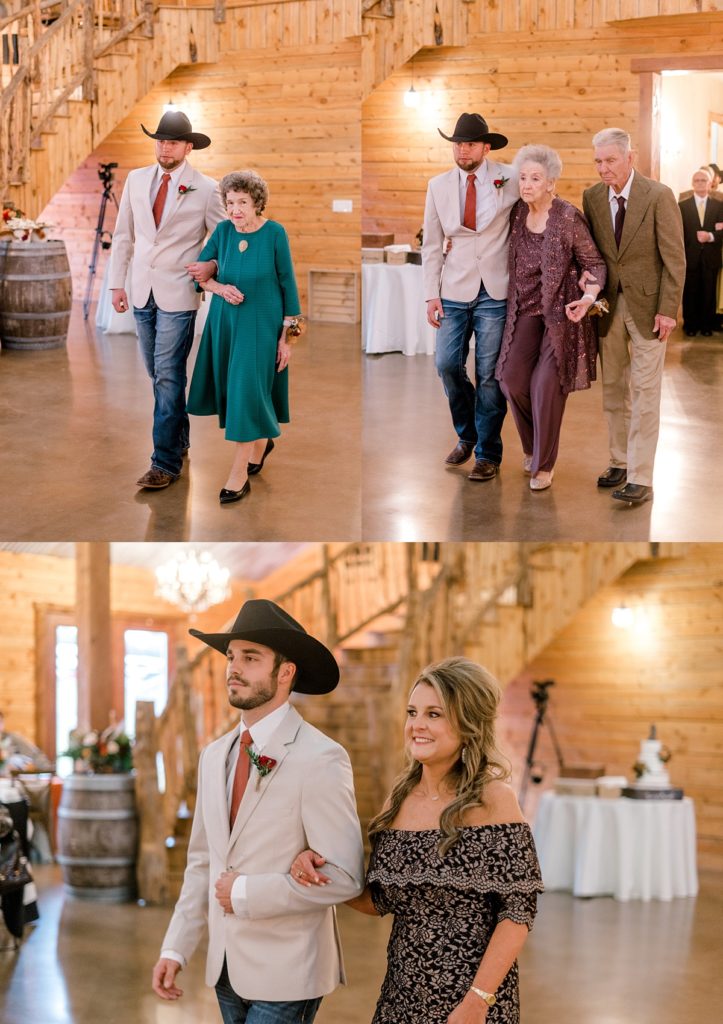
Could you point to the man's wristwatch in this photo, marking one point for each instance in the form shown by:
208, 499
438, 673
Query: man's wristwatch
489, 997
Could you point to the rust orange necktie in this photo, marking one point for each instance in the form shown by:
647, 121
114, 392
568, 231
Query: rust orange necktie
160, 201
470, 204
241, 776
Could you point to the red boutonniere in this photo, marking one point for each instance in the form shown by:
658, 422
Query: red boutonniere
262, 764
182, 189
499, 182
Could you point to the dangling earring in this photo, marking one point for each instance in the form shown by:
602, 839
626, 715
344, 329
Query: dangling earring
464, 755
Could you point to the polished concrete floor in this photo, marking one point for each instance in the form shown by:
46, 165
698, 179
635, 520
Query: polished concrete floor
75, 435
586, 962
410, 495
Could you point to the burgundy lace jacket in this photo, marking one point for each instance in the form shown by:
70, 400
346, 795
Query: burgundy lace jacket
567, 250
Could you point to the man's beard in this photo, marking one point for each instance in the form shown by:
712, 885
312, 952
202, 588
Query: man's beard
254, 700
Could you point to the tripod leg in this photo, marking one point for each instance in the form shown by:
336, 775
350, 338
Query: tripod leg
94, 257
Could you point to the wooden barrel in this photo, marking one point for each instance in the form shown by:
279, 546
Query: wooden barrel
98, 837
36, 294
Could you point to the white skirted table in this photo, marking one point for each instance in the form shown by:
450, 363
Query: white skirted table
630, 849
394, 312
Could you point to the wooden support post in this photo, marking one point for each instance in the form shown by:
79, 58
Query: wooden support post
88, 48
92, 599
152, 858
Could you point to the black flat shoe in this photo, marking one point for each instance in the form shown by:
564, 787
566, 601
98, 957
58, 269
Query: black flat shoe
227, 497
255, 467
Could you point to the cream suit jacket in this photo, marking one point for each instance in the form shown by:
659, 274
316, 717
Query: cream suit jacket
158, 256
287, 947
475, 256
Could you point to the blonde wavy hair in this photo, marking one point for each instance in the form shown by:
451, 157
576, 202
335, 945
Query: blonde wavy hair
470, 696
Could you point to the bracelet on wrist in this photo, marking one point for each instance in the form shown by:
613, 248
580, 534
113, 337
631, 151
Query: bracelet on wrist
487, 997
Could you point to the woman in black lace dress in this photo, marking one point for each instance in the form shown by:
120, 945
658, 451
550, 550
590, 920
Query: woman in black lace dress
452, 859
549, 345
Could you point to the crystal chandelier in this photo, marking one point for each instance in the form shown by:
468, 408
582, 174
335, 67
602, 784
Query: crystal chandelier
193, 581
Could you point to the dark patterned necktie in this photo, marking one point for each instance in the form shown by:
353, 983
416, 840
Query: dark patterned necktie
470, 204
160, 201
241, 777
619, 219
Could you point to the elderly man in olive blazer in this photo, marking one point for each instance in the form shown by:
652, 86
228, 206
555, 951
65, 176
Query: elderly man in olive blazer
637, 227
266, 790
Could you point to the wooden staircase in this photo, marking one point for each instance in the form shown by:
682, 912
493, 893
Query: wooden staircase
500, 604
76, 68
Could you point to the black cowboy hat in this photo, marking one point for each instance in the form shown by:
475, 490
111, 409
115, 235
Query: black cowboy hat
263, 622
473, 128
174, 126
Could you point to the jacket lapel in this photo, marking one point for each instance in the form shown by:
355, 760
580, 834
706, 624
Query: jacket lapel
258, 785
635, 211
216, 787
603, 220
143, 207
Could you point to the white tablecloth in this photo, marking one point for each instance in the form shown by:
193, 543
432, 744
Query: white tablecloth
394, 311
631, 849
111, 322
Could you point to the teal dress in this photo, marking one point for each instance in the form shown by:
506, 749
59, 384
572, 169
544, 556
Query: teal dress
235, 373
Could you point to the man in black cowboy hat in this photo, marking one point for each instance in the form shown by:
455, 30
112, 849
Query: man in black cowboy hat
271, 787
464, 261
165, 213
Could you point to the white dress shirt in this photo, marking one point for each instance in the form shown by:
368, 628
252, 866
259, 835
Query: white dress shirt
485, 192
613, 197
261, 733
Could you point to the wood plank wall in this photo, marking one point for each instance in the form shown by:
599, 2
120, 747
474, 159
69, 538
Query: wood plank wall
290, 114
612, 684
27, 581
533, 87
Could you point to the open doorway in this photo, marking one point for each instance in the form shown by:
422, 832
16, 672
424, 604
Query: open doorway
691, 124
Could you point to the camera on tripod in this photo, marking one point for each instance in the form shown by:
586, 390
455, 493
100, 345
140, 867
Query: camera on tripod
540, 691
105, 173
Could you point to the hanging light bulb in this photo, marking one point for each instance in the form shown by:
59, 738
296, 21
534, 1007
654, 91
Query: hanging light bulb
411, 97
622, 617
170, 107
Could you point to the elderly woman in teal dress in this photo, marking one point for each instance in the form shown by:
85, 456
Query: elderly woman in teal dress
241, 371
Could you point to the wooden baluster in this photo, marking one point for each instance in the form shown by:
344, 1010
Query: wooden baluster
88, 50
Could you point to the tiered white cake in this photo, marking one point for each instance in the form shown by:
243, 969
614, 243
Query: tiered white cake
654, 773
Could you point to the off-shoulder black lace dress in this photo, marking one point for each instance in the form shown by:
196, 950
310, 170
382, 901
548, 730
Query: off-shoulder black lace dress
445, 910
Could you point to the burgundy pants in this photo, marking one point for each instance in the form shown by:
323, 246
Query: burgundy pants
531, 384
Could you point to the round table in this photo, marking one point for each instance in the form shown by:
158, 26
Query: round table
629, 849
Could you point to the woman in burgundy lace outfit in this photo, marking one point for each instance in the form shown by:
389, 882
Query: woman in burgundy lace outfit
452, 859
549, 345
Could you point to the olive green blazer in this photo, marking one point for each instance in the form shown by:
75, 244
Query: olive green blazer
650, 264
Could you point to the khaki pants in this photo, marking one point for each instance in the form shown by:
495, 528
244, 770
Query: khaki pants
632, 372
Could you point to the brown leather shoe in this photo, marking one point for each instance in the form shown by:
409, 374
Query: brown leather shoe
460, 453
483, 471
155, 479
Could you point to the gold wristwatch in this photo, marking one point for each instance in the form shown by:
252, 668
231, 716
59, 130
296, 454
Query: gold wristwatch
489, 997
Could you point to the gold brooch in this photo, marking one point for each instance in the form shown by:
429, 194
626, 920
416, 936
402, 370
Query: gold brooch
243, 245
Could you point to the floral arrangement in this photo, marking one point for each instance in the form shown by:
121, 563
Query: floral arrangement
262, 764
15, 223
499, 182
106, 752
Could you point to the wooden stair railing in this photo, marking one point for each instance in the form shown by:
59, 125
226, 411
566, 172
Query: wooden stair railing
54, 48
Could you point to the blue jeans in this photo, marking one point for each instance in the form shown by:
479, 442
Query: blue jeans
477, 411
166, 340
235, 1010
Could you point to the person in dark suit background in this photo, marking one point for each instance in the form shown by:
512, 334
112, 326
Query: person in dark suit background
636, 225
702, 217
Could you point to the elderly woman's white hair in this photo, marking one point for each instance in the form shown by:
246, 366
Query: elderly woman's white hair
542, 155
613, 137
